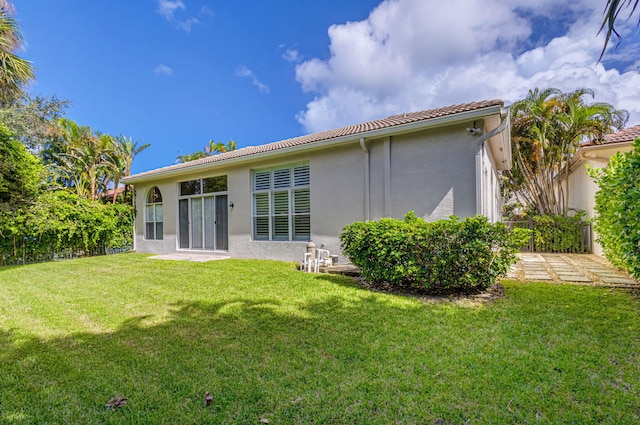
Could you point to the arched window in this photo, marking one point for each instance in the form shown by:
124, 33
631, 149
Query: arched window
153, 214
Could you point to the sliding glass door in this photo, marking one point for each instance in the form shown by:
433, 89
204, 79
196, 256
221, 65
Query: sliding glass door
203, 214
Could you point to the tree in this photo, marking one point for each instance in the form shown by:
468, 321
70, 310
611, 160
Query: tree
191, 156
547, 128
612, 10
618, 208
212, 148
20, 172
125, 150
83, 159
33, 119
15, 72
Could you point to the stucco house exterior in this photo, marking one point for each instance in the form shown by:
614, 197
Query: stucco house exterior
268, 201
582, 188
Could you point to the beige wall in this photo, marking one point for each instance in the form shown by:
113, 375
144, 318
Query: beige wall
430, 172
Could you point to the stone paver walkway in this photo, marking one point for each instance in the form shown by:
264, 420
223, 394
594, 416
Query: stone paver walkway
586, 269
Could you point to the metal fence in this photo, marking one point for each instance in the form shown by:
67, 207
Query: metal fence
23, 255
575, 239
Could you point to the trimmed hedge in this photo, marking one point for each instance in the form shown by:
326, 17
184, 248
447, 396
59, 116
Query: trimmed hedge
442, 256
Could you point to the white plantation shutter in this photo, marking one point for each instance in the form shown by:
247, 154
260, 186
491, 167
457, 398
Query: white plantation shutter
282, 204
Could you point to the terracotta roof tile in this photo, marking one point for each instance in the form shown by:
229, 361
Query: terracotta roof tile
622, 136
392, 121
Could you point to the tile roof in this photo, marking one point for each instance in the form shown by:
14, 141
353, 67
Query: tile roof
392, 121
622, 136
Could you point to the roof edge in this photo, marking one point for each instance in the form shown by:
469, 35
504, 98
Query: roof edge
170, 171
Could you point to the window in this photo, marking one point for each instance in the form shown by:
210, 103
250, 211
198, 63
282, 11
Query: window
282, 204
200, 186
153, 214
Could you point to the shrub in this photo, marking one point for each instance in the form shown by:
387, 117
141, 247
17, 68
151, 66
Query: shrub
556, 233
618, 209
60, 222
442, 256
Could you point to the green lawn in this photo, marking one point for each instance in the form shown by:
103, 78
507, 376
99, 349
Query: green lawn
273, 344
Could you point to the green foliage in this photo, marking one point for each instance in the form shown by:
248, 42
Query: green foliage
547, 128
63, 222
556, 233
20, 172
618, 208
32, 119
442, 256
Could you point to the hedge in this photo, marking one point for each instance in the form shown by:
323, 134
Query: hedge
442, 256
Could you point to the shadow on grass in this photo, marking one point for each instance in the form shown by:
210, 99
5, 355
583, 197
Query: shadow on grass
257, 358
340, 359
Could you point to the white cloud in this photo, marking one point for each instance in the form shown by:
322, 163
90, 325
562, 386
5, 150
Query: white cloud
417, 54
292, 55
163, 70
169, 8
244, 72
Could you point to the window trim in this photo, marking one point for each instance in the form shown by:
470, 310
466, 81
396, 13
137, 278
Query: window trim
274, 187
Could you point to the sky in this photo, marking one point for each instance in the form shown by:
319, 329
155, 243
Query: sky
178, 73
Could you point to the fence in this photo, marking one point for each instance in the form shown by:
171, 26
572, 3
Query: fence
576, 238
23, 255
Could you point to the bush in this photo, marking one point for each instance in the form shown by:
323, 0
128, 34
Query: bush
443, 256
62, 223
618, 209
556, 233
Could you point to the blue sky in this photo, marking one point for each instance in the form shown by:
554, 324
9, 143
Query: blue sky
177, 73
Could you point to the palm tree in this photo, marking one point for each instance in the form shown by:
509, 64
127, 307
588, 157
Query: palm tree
547, 129
15, 72
580, 122
214, 148
191, 156
612, 10
125, 150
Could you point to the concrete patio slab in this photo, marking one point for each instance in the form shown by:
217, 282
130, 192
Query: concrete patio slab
188, 256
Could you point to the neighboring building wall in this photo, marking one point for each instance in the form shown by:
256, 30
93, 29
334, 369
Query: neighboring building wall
582, 193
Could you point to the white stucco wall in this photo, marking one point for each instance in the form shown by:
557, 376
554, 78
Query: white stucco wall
432, 172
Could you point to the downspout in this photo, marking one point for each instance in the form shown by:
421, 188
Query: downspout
480, 160
133, 202
367, 192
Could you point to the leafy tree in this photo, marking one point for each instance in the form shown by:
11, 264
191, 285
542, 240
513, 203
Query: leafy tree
612, 10
33, 119
618, 209
20, 172
15, 72
547, 128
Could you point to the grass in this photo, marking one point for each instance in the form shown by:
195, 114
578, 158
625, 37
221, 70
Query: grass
273, 344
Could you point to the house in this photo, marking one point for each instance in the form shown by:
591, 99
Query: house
582, 189
268, 201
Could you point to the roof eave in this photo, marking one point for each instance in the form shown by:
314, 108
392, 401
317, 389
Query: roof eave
394, 130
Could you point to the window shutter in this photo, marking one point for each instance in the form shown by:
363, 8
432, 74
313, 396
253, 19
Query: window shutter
282, 178
301, 176
301, 201
262, 180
